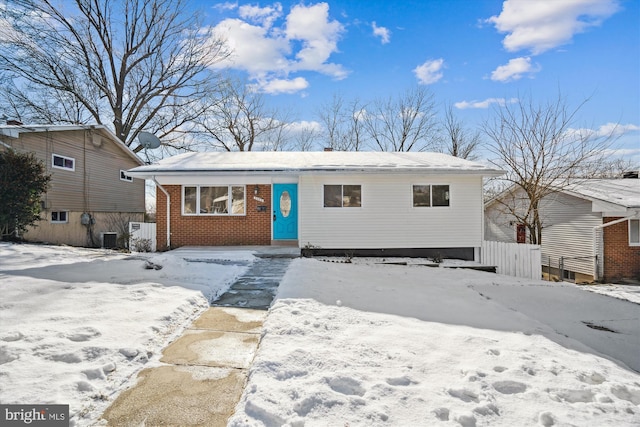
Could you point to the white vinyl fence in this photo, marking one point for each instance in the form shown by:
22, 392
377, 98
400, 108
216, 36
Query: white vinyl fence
513, 259
142, 237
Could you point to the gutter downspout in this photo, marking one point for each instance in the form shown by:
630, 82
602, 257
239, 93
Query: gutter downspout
168, 211
597, 228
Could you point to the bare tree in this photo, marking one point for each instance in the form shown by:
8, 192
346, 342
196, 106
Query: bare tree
542, 152
343, 123
304, 138
406, 122
238, 119
137, 64
613, 168
458, 141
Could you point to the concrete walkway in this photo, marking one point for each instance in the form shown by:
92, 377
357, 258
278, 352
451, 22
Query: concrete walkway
257, 287
206, 368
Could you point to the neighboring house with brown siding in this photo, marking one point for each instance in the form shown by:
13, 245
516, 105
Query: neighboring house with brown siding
591, 229
90, 198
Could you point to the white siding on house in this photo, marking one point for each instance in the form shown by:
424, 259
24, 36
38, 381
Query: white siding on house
387, 208
568, 231
500, 225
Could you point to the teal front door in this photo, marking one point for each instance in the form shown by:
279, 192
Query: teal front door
285, 211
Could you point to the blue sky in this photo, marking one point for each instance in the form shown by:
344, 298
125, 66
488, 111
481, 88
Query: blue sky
472, 54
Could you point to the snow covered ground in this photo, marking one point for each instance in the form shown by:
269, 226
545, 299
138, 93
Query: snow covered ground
366, 344
76, 325
360, 344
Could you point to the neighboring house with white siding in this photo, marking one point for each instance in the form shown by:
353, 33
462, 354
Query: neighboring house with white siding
91, 198
591, 229
330, 202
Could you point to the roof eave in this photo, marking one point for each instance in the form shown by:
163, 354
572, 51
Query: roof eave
150, 173
14, 131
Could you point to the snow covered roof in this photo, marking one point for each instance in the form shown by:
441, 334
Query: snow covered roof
14, 131
312, 162
621, 192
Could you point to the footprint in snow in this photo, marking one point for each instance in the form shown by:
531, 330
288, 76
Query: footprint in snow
401, 381
83, 334
466, 420
509, 387
12, 336
622, 392
66, 358
593, 378
546, 419
346, 385
487, 410
442, 414
7, 355
573, 396
464, 395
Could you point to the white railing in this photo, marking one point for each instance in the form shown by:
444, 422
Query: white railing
141, 234
513, 259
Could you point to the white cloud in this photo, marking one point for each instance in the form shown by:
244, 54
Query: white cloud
617, 129
382, 32
276, 86
462, 105
429, 72
225, 6
253, 49
265, 16
305, 125
607, 130
514, 70
319, 37
542, 25
270, 46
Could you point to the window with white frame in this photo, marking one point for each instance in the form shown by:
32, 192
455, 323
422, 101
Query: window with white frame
214, 200
63, 162
430, 195
125, 177
634, 232
59, 217
342, 196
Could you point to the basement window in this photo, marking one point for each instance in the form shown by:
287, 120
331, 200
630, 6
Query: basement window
59, 217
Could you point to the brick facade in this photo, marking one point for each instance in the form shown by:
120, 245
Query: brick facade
620, 259
254, 228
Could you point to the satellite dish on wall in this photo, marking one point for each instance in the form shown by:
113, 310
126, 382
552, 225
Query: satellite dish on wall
148, 140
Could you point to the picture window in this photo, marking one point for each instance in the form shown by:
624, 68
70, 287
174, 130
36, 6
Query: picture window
214, 200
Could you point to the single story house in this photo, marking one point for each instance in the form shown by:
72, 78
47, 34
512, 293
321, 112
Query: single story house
386, 203
591, 229
91, 199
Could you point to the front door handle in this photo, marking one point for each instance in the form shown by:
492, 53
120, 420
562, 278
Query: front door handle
274, 216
